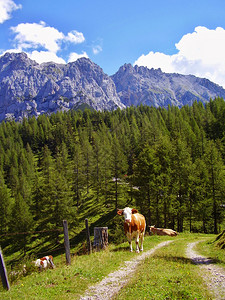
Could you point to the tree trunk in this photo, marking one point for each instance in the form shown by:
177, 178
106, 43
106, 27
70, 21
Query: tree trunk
100, 237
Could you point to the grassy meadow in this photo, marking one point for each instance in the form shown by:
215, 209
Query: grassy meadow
167, 274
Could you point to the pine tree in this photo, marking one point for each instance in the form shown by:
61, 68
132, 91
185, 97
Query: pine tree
216, 181
21, 222
164, 152
88, 156
118, 166
77, 173
5, 205
146, 179
180, 180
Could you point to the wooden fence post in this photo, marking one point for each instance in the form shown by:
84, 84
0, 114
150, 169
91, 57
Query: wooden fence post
100, 237
66, 242
88, 237
3, 272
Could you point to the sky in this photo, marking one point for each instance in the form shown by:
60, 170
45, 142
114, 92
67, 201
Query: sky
178, 36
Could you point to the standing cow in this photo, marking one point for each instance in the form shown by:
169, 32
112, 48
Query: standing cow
134, 226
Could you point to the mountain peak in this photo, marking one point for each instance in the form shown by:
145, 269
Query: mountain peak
29, 89
15, 61
140, 85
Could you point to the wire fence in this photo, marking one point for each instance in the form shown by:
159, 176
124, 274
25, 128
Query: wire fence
41, 242
30, 232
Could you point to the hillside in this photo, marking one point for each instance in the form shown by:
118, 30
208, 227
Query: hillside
28, 89
167, 163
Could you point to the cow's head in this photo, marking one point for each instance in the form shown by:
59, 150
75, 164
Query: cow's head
152, 228
127, 212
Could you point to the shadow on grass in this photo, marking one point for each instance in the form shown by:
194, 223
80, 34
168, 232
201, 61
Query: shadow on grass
101, 222
122, 248
179, 259
184, 260
46, 244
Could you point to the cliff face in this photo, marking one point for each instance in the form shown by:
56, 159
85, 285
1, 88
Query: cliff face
29, 89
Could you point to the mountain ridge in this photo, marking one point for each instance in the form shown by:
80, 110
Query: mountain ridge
154, 87
30, 89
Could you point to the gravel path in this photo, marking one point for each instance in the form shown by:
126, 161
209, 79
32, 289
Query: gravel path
213, 275
111, 284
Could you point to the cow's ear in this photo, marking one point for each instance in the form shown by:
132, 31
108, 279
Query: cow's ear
134, 211
119, 212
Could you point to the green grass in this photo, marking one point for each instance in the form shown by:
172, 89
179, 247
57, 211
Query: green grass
168, 274
70, 281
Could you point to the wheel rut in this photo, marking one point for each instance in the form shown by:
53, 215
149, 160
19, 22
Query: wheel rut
213, 275
111, 284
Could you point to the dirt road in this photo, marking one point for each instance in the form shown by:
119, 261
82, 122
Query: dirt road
110, 285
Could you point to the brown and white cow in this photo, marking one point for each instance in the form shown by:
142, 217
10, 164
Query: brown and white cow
134, 226
45, 262
163, 231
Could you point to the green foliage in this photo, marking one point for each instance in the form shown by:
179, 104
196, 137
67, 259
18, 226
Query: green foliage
168, 163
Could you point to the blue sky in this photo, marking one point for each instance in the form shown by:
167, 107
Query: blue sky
181, 36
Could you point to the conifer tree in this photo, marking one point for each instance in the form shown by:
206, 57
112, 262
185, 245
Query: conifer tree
77, 173
118, 166
87, 155
21, 222
5, 205
216, 181
180, 180
146, 179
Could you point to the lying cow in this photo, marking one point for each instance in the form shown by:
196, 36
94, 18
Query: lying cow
45, 262
134, 226
163, 231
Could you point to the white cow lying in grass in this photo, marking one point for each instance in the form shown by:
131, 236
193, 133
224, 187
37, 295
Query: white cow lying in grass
45, 262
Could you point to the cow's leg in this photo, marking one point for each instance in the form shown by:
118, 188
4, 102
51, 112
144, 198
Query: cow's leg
137, 243
130, 241
142, 240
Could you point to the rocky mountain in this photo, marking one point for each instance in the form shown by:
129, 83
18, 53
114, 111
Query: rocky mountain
30, 89
27, 88
136, 85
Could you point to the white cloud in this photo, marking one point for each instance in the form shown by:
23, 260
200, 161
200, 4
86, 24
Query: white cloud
74, 56
6, 8
42, 42
45, 56
201, 53
33, 35
39, 56
97, 49
75, 37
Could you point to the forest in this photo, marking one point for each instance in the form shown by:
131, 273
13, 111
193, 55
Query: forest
168, 163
